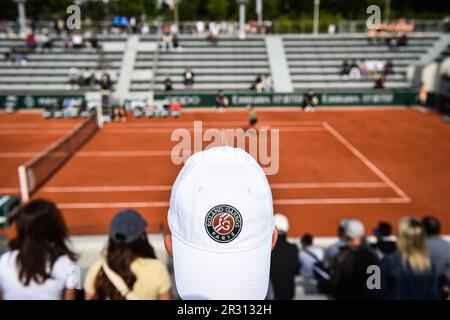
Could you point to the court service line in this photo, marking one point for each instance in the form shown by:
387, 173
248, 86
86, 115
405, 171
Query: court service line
367, 162
276, 186
9, 190
206, 123
339, 201
191, 129
287, 202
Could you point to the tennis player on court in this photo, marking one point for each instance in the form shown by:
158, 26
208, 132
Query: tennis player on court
252, 117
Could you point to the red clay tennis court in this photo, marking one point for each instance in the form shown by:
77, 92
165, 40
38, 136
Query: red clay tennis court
372, 164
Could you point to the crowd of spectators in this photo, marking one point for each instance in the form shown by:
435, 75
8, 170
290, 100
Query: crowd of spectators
367, 69
414, 263
262, 83
394, 34
90, 78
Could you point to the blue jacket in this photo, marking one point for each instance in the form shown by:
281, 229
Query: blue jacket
400, 282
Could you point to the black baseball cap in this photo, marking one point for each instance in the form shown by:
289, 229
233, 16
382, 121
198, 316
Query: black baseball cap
127, 226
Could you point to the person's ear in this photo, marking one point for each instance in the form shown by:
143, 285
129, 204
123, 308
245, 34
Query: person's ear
168, 244
274, 237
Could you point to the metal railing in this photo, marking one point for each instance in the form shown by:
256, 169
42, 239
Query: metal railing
228, 27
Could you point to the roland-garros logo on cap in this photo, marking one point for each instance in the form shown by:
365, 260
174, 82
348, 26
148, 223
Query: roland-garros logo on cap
223, 223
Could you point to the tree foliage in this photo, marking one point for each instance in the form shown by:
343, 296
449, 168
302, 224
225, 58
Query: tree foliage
228, 9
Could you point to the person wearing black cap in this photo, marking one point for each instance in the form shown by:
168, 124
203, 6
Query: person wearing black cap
386, 242
129, 270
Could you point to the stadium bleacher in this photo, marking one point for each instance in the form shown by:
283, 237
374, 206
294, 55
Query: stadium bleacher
313, 61
316, 61
230, 65
48, 70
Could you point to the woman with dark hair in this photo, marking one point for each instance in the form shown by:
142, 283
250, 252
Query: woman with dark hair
130, 270
39, 265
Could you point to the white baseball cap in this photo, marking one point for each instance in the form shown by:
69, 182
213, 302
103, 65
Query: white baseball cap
281, 222
221, 219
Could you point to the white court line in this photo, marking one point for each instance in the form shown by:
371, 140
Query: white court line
31, 132
276, 186
9, 190
35, 126
297, 202
191, 129
286, 202
122, 153
328, 185
211, 123
367, 162
6, 155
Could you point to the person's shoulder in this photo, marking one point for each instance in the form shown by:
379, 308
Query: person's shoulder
5, 257
147, 263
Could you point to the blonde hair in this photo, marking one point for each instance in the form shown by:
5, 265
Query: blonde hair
411, 244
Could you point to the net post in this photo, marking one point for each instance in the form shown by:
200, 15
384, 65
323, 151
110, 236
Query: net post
24, 190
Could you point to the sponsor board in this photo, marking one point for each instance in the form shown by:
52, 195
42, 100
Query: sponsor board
373, 97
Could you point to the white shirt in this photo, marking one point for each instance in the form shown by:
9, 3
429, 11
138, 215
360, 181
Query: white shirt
307, 261
64, 275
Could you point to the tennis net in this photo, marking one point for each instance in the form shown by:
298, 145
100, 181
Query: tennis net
35, 172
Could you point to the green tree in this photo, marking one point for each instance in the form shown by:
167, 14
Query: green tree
218, 9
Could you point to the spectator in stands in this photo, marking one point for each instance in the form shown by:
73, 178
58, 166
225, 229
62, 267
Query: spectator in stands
309, 256
40, 264
16, 55
379, 82
331, 252
105, 81
145, 29
309, 100
284, 265
386, 242
268, 84
119, 114
408, 273
168, 84
349, 273
256, 82
93, 40
176, 42
44, 42
167, 41
74, 77
388, 67
175, 109
345, 69
123, 23
221, 233
213, 33
130, 269
77, 40
439, 252
188, 77
221, 101
133, 25
355, 72
200, 26
30, 42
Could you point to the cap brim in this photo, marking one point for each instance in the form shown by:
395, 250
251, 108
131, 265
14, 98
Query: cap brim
205, 275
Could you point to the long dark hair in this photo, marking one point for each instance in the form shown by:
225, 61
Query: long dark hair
41, 240
119, 257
